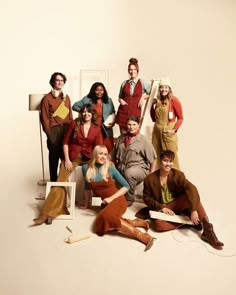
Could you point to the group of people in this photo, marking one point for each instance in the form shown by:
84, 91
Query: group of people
112, 169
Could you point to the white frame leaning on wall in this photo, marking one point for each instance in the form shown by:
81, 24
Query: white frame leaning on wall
147, 124
88, 77
70, 197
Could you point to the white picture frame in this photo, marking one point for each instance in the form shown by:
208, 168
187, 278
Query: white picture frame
147, 124
70, 197
88, 77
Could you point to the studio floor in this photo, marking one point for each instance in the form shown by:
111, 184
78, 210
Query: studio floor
36, 260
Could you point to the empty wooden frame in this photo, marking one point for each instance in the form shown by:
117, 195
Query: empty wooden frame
88, 77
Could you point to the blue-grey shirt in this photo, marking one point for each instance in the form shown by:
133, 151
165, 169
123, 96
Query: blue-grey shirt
145, 85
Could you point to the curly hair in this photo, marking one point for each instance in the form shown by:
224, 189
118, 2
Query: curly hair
92, 93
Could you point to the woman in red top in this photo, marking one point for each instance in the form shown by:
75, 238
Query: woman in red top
166, 112
82, 136
104, 107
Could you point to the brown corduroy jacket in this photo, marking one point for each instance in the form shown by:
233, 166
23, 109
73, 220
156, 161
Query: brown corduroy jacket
177, 185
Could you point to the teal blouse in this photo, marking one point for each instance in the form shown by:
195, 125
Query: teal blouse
113, 172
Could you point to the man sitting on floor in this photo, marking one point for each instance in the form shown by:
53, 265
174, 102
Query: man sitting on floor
168, 190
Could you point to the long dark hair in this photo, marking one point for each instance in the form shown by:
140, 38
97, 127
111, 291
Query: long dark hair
92, 93
80, 120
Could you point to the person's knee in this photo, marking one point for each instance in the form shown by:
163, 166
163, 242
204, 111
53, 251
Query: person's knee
160, 226
135, 176
128, 175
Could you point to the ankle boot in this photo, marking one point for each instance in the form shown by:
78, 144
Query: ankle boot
210, 237
43, 219
139, 223
131, 231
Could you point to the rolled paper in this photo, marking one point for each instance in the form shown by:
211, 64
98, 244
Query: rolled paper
110, 120
76, 238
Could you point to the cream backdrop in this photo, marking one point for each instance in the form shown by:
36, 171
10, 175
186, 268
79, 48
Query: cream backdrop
191, 41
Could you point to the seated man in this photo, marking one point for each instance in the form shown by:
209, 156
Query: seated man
134, 156
168, 190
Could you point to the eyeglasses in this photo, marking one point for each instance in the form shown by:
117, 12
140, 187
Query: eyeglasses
59, 80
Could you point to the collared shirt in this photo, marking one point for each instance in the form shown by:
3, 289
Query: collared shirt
145, 85
139, 152
132, 83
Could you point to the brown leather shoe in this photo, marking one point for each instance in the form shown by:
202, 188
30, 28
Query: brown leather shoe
210, 237
43, 219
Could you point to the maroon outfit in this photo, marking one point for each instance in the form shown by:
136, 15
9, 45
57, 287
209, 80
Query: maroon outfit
80, 143
109, 217
124, 111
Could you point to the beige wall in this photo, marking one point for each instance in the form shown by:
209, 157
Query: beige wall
193, 42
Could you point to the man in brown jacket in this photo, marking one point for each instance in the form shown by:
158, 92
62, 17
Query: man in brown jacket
169, 191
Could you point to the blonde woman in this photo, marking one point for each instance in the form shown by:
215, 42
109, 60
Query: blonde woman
166, 112
100, 176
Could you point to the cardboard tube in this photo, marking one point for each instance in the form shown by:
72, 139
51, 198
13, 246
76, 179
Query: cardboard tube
76, 238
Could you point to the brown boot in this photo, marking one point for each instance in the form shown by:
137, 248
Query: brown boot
131, 231
210, 237
43, 219
139, 223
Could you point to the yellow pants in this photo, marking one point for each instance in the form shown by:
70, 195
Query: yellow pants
162, 141
55, 203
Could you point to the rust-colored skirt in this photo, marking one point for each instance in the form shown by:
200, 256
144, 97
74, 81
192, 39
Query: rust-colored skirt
109, 218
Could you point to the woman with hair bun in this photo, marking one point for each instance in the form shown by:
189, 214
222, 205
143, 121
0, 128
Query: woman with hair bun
132, 94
